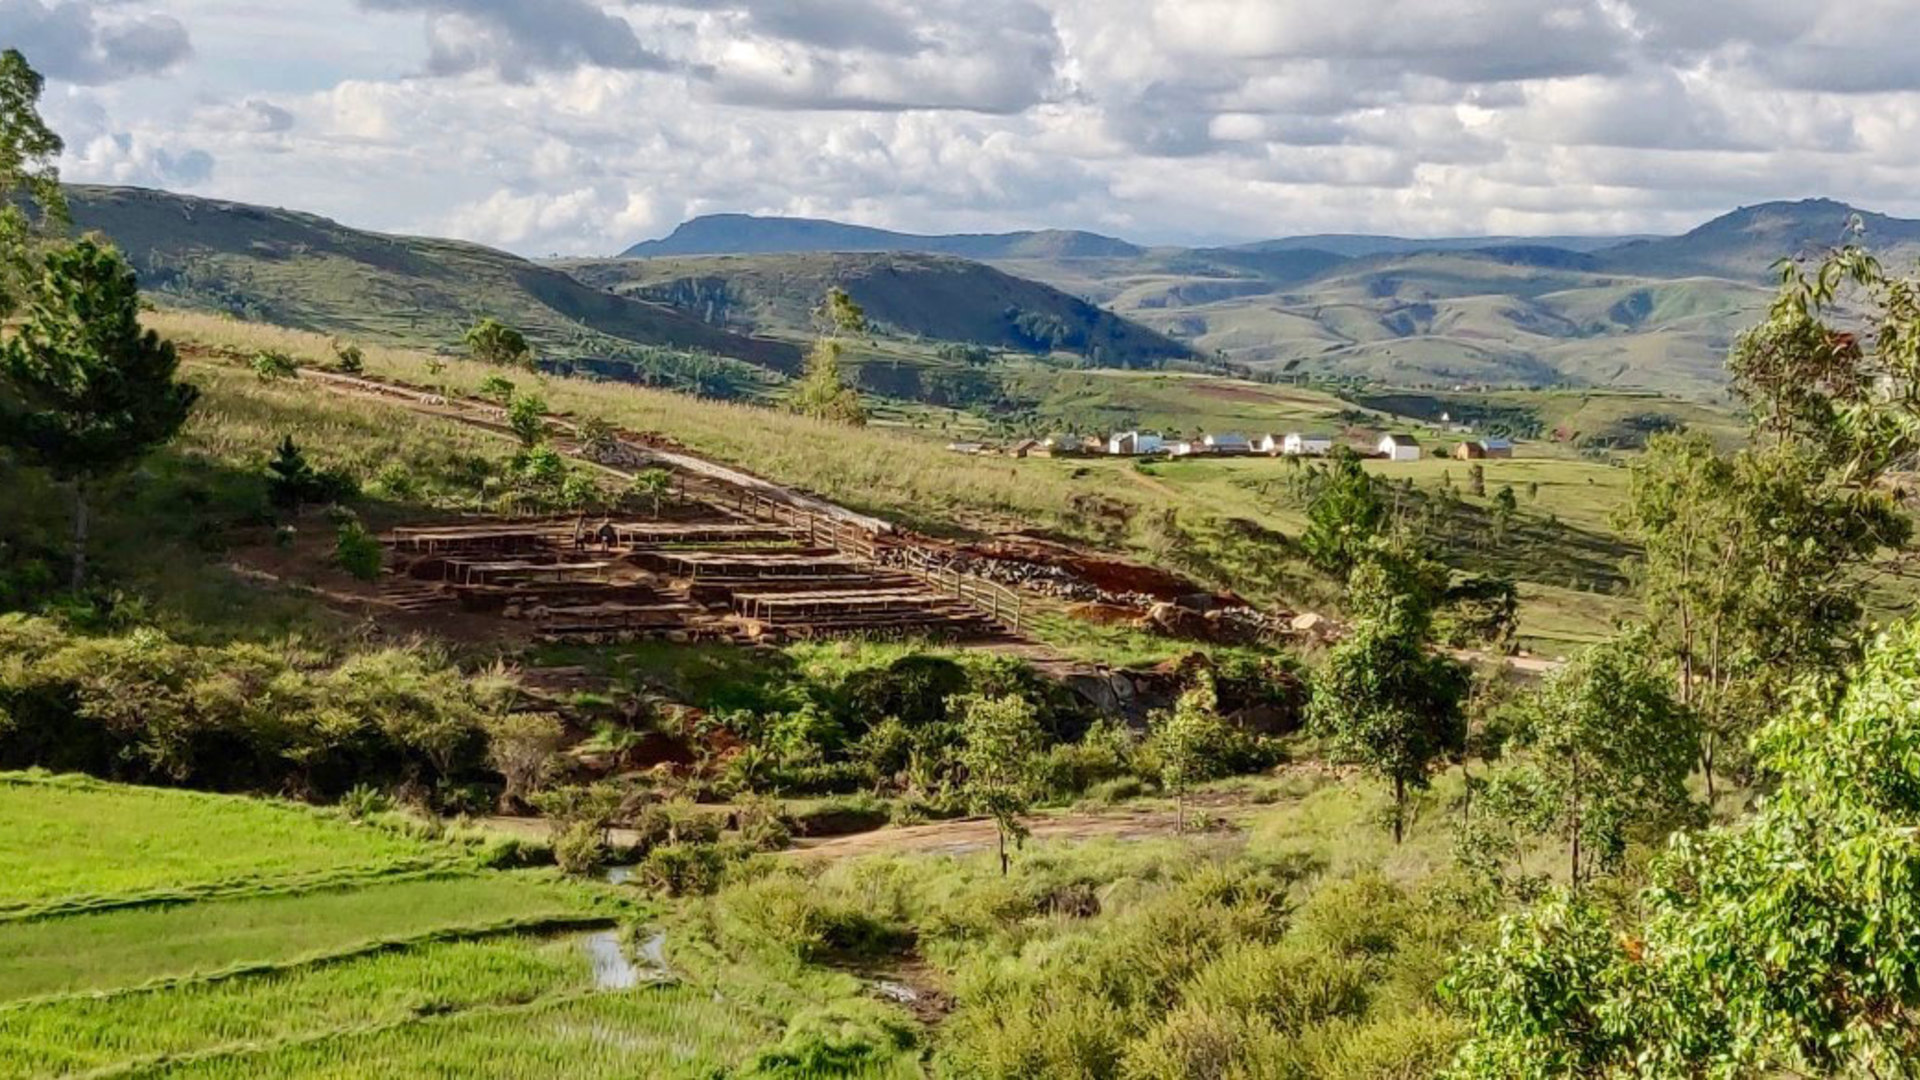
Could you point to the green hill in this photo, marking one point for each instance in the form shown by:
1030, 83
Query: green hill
746, 234
934, 297
307, 272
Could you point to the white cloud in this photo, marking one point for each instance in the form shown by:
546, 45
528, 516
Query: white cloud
583, 125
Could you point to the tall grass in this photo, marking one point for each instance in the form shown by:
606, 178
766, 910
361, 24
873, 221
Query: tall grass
80, 1034
56, 841
115, 950
658, 1032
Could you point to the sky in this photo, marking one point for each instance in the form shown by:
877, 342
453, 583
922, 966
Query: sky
583, 126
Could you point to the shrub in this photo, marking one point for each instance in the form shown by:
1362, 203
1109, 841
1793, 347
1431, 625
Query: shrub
578, 849
843, 1038
270, 366
682, 869
664, 824
364, 801
348, 359
358, 551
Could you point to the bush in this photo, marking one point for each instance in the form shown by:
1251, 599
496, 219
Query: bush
844, 1038
269, 366
358, 551
348, 359
682, 869
664, 824
578, 849
364, 801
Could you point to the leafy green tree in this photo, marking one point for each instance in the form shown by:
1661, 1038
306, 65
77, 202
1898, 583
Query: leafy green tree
527, 416
1188, 741
1344, 514
1386, 702
1477, 480
840, 316
524, 749
493, 342
357, 551
1610, 751
652, 486
1001, 737
32, 205
87, 391
1787, 944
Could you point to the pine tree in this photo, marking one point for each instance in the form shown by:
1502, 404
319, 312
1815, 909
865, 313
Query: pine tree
90, 391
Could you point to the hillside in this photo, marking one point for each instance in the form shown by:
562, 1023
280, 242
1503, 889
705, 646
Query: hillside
936, 297
1631, 313
746, 234
310, 273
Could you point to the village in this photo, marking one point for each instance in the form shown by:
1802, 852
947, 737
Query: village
1387, 446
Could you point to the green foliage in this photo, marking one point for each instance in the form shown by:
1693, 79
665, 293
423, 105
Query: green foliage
1384, 701
527, 416
524, 749
497, 388
1187, 741
357, 550
651, 486
1788, 943
1344, 515
271, 366
1001, 738
1610, 753
840, 315
32, 204
823, 391
492, 342
292, 482
87, 391
348, 358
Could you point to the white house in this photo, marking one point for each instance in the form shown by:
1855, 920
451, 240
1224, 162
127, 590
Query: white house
1398, 447
1297, 444
1186, 448
1228, 444
1135, 442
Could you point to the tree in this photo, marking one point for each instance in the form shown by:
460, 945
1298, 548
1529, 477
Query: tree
1384, 701
1188, 740
823, 391
598, 438
1787, 944
89, 391
839, 315
1504, 507
1611, 751
493, 342
32, 205
1001, 738
1344, 514
1477, 480
652, 485
292, 482
527, 416
523, 748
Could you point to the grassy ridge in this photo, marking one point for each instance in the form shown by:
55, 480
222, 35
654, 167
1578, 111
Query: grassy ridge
86, 1033
166, 839
118, 949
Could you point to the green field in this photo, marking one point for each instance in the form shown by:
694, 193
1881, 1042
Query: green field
171, 841
384, 972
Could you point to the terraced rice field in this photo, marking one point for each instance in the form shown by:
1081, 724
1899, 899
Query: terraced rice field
163, 933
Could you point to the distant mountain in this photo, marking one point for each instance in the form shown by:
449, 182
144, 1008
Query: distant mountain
1745, 243
1360, 245
935, 297
310, 273
745, 234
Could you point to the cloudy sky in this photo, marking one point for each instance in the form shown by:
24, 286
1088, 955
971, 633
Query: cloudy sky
580, 126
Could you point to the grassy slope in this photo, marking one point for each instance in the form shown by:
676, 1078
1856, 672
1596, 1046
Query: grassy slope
305, 271
912, 479
926, 296
166, 839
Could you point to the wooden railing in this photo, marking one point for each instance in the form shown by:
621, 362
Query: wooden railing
1003, 605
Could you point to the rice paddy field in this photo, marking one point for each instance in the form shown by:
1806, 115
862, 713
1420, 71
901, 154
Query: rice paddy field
169, 933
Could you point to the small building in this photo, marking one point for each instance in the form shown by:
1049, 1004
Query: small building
1497, 448
1024, 448
1299, 445
1470, 451
967, 447
1228, 444
1187, 448
1131, 443
1397, 446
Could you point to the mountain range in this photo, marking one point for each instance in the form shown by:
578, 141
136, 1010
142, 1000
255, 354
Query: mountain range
1643, 312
